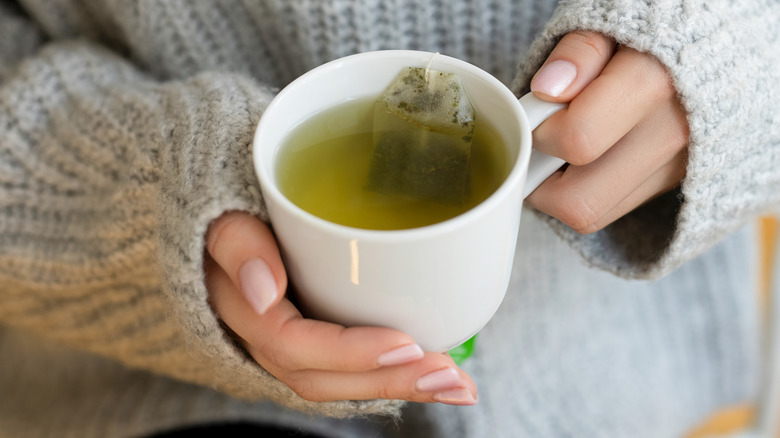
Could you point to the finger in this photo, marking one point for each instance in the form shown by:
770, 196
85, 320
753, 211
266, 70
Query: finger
246, 250
665, 179
576, 60
435, 378
629, 88
284, 341
583, 197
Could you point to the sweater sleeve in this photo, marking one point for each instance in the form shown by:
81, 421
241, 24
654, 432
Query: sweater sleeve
724, 60
108, 181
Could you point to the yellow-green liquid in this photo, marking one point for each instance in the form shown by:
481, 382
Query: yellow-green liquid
323, 169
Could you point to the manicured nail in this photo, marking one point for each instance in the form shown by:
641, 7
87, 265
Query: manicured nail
258, 284
457, 396
440, 380
403, 354
554, 78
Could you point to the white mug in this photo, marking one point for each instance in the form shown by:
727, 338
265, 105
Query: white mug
439, 283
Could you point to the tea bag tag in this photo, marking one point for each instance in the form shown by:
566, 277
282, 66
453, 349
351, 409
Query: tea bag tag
423, 127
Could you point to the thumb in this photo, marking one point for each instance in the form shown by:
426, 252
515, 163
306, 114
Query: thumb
244, 247
576, 61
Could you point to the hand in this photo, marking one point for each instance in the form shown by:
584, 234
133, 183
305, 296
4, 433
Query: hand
320, 361
624, 133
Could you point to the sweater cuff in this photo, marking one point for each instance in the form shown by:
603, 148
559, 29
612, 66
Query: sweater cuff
724, 67
207, 169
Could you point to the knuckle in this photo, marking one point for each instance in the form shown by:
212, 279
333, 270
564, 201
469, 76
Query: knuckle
653, 77
305, 388
576, 145
279, 359
579, 213
223, 228
660, 88
592, 42
678, 139
284, 355
385, 393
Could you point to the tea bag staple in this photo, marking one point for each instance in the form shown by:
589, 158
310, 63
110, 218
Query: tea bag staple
423, 127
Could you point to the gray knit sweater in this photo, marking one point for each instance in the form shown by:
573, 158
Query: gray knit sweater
126, 128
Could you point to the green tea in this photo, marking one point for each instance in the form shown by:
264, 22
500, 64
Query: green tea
323, 168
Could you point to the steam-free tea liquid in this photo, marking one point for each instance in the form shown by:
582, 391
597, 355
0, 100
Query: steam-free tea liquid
423, 128
323, 168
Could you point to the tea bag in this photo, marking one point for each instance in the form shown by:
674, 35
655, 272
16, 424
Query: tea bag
423, 126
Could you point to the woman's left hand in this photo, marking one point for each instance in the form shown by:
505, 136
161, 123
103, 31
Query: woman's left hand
624, 133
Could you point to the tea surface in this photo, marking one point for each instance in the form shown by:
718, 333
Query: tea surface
323, 168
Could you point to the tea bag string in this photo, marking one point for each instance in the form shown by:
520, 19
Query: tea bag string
428, 69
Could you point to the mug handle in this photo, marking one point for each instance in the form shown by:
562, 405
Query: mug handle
541, 165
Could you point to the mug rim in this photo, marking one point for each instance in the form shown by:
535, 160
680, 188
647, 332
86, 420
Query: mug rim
518, 171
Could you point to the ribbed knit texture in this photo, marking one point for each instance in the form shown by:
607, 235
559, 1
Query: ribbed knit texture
724, 60
126, 127
578, 353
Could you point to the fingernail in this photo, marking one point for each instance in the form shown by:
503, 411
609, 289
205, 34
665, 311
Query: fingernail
457, 396
403, 354
445, 378
258, 284
554, 78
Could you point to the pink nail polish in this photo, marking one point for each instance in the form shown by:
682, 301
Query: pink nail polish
400, 355
457, 396
554, 78
442, 379
258, 284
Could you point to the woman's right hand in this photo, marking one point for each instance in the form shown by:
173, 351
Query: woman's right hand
320, 361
